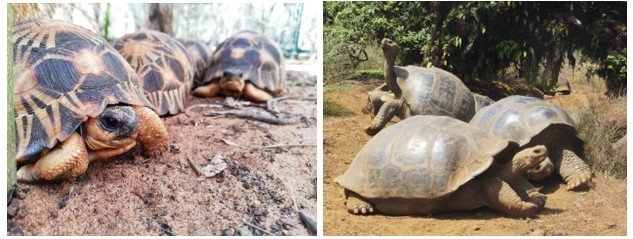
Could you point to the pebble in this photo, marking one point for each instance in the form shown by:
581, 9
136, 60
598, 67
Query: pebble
244, 231
13, 208
538, 232
228, 232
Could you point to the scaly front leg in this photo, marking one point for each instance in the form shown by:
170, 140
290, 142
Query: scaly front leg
152, 133
68, 159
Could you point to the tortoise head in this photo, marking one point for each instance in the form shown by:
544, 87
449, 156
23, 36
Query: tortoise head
232, 83
389, 48
527, 159
369, 107
116, 127
375, 100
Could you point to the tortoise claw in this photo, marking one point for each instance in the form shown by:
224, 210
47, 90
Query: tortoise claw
358, 206
577, 180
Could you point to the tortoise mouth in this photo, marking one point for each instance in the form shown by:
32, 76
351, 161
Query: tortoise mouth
116, 126
232, 88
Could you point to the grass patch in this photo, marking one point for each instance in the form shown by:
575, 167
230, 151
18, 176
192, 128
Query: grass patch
370, 73
331, 108
336, 86
601, 124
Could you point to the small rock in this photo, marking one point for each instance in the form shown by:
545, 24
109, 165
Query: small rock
174, 149
244, 231
25, 190
62, 204
476, 228
538, 232
14, 230
287, 224
228, 232
13, 208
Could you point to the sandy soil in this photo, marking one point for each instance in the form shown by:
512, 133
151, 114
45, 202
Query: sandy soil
131, 195
598, 211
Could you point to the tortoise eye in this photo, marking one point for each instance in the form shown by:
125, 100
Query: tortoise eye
110, 122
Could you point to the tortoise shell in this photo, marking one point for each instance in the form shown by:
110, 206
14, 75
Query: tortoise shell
421, 157
254, 55
482, 101
200, 55
163, 65
433, 91
64, 74
519, 118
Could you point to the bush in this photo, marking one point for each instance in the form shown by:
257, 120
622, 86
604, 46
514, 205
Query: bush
601, 124
477, 41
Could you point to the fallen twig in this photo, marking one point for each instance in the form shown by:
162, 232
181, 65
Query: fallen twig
294, 97
258, 228
287, 146
210, 105
308, 221
304, 218
195, 167
255, 115
228, 142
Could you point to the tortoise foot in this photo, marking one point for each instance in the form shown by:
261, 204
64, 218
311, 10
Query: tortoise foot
538, 199
155, 153
371, 131
579, 179
358, 206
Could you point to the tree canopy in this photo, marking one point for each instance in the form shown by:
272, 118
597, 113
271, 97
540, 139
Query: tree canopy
478, 41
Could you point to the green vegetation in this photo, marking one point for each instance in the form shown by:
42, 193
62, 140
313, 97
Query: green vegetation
479, 41
371, 73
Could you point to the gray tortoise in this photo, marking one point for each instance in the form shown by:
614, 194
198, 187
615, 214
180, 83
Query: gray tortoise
377, 97
421, 91
530, 121
482, 101
562, 86
429, 164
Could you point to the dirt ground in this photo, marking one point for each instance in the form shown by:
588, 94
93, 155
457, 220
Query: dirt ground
131, 195
599, 211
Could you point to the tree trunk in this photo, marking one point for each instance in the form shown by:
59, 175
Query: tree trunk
160, 17
11, 140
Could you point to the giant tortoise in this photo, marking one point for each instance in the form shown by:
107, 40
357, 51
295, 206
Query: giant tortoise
429, 164
421, 91
530, 121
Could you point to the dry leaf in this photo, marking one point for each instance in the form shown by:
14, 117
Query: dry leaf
216, 166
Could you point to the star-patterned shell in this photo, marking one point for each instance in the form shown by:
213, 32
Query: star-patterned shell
64, 74
200, 54
165, 70
254, 55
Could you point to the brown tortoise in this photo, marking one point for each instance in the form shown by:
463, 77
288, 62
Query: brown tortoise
163, 65
76, 100
200, 55
247, 64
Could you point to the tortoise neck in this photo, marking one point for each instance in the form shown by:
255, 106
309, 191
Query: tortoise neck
390, 75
